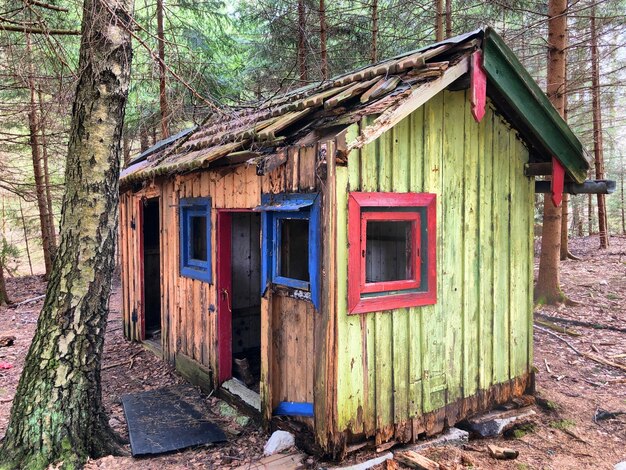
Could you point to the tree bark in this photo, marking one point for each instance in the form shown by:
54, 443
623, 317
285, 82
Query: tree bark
589, 215
57, 414
30, 262
621, 160
165, 112
548, 287
374, 45
40, 192
46, 176
598, 147
448, 18
323, 49
439, 20
304, 73
4, 296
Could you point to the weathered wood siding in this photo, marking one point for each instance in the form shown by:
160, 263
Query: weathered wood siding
189, 306
396, 366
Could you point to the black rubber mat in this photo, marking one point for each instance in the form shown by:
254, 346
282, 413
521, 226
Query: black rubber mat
168, 419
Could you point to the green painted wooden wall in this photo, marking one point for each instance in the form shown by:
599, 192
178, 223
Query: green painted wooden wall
396, 365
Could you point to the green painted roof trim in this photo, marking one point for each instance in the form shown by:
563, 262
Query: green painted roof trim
532, 106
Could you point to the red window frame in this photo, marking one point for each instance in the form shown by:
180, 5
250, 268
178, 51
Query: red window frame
419, 290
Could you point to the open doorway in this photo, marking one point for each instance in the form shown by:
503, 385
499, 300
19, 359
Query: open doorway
246, 299
151, 271
239, 305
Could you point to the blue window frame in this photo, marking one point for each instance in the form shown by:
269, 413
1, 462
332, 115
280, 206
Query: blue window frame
290, 245
195, 238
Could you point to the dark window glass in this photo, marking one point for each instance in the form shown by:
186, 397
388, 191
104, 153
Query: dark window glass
294, 249
388, 251
198, 238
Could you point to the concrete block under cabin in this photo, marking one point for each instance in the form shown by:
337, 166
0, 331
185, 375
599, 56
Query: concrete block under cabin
353, 257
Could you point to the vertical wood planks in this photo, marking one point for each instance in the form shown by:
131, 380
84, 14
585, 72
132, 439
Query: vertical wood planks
452, 227
432, 355
433, 319
501, 216
471, 243
486, 250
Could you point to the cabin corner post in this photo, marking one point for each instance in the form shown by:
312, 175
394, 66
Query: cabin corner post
325, 423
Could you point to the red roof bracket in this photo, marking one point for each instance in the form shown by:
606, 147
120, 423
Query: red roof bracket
558, 180
478, 86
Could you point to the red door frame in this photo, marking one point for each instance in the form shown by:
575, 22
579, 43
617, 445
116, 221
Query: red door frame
224, 289
141, 317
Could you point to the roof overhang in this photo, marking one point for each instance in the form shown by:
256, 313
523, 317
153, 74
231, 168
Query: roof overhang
528, 108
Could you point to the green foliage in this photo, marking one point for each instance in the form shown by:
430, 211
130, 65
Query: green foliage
563, 424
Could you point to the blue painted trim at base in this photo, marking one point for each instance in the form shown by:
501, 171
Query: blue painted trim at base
292, 408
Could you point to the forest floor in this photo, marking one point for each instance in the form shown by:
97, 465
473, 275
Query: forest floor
573, 386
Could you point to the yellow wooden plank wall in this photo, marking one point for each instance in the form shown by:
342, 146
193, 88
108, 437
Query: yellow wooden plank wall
396, 365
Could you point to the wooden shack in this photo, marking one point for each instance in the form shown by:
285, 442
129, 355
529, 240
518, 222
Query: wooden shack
355, 255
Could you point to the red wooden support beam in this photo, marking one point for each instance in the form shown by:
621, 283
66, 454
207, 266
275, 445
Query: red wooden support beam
478, 86
558, 180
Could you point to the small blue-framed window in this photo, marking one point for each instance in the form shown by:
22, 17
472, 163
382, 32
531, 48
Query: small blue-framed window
195, 238
291, 242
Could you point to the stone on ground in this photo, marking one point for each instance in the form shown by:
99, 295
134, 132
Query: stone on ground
279, 441
495, 423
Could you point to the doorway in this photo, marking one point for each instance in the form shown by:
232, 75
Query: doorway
239, 307
151, 254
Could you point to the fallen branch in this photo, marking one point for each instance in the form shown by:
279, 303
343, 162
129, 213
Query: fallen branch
597, 326
27, 301
574, 435
414, 460
555, 327
593, 357
130, 360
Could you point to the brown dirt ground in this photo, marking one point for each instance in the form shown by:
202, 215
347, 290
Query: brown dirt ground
564, 438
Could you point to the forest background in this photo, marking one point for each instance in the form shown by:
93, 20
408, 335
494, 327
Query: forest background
191, 55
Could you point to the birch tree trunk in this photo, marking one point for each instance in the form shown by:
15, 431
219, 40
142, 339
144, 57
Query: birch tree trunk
548, 288
57, 413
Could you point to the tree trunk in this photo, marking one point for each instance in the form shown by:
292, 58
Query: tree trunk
374, 45
4, 297
589, 214
165, 113
621, 159
323, 50
577, 213
40, 192
548, 287
30, 262
144, 142
46, 176
304, 74
448, 18
57, 413
597, 129
439, 20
